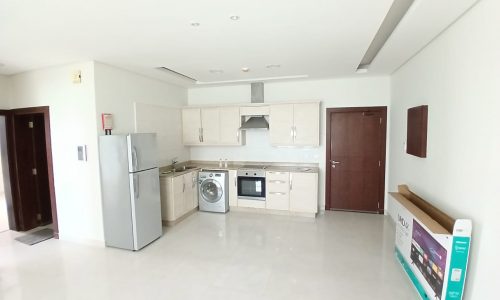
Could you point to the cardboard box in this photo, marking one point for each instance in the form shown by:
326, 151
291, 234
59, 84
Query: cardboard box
432, 248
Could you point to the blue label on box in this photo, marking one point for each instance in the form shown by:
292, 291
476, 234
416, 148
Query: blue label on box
458, 267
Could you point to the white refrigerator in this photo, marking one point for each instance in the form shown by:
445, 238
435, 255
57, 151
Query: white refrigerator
130, 190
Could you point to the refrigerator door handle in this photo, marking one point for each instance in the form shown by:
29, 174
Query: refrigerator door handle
134, 158
136, 186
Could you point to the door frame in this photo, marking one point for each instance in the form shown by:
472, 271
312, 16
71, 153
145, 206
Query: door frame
13, 164
328, 143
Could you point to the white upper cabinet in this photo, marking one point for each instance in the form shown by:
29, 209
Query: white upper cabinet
306, 124
294, 124
191, 126
229, 123
281, 124
210, 126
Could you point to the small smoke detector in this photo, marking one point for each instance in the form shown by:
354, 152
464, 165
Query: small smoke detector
245, 69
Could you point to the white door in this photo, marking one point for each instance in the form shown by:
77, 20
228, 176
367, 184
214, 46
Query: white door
306, 124
304, 192
188, 192
229, 122
191, 126
210, 125
146, 207
178, 196
281, 124
142, 151
233, 188
194, 182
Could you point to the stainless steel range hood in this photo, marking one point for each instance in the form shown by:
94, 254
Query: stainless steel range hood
256, 122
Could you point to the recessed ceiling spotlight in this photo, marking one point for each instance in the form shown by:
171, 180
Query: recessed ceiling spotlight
215, 71
273, 66
234, 18
195, 24
245, 69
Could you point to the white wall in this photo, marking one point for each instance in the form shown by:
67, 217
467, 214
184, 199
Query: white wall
367, 91
72, 123
118, 91
5, 92
458, 76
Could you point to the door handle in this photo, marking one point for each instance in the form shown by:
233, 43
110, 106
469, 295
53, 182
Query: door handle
334, 163
134, 158
136, 186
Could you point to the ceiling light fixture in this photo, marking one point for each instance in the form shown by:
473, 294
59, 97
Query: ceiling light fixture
195, 24
234, 18
273, 66
245, 69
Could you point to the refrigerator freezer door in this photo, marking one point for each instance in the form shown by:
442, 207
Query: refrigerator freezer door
146, 208
142, 151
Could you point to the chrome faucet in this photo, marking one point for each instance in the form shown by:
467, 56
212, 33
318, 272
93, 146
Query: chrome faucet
174, 161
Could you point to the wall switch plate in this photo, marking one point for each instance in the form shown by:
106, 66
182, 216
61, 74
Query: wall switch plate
77, 77
82, 153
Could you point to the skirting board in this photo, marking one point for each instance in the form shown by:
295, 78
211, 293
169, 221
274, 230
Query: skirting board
172, 223
273, 212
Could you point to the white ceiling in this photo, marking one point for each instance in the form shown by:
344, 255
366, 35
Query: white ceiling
313, 38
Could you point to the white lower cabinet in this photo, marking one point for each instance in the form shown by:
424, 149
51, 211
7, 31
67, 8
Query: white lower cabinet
179, 195
233, 189
304, 192
277, 190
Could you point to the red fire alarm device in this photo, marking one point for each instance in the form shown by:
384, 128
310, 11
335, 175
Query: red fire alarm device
107, 123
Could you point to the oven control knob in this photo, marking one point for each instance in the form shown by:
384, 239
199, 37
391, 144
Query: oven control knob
246, 173
255, 174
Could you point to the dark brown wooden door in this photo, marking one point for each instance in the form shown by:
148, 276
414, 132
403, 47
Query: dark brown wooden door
356, 159
32, 170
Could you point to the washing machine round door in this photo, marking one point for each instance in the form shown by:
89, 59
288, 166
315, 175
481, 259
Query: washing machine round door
211, 190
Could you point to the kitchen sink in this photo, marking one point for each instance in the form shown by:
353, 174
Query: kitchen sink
184, 168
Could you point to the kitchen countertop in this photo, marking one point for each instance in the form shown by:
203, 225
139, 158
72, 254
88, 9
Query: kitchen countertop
208, 165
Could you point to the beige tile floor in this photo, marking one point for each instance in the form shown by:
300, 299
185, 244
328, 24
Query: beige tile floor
214, 256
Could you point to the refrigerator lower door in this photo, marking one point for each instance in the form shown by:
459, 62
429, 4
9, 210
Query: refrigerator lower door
146, 208
142, 151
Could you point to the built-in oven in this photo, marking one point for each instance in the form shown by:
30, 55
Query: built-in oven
251, 184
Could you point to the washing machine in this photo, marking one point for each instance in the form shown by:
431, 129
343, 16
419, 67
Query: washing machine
213, 191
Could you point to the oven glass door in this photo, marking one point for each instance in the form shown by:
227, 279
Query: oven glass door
252, 187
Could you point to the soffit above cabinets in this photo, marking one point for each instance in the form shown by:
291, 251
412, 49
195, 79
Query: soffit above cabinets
270, 40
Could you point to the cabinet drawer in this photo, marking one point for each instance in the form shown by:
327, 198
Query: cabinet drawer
277, 200
277, 176
277, 186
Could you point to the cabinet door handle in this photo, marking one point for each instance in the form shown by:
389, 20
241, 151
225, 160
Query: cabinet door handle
276, 193
290, 181
294, 133
235, 182
291, 132
199, 134
202, 139
277, 181
183, 186
238, 135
